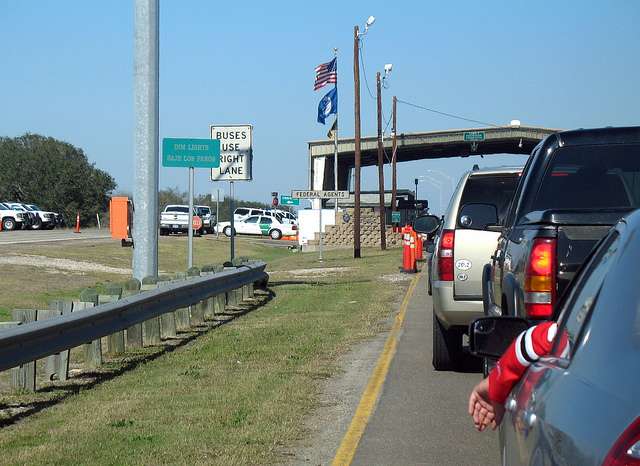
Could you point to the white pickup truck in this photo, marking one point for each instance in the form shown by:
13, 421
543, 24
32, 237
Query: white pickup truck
175, 219
14, 219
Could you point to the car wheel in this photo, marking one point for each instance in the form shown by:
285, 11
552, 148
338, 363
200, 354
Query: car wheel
163, 232
275, 234
227, 232
8, 224
447, 346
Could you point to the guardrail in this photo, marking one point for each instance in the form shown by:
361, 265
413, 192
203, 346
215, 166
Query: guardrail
36, 340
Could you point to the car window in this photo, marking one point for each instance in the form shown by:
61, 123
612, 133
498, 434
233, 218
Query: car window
266, 220
598, 176
256, 212
252, 220
241, 212
176, 208
496, 189
584, 297
513, 205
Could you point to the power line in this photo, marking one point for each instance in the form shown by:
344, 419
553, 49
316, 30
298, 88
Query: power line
450, 115
364, 71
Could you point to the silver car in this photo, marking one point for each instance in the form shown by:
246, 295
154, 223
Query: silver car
581, 406
463, 247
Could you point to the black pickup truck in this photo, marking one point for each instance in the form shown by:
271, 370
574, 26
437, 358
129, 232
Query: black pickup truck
574, 187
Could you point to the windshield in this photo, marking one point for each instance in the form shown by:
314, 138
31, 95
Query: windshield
33, 207
203, 210
177, 208
592, 177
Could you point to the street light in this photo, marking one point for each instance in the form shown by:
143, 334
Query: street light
356, 104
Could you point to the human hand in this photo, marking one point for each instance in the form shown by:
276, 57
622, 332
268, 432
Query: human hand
484, 412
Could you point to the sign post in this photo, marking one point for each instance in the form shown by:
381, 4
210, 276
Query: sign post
299, 194
190, 153
236, 157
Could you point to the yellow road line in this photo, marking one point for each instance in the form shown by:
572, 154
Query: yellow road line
347, 450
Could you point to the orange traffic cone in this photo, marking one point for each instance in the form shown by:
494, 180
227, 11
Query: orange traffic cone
77, 230
408, 255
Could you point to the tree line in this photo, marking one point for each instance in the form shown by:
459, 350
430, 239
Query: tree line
54, 174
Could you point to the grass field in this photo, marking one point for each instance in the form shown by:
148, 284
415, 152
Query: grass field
31, 287
234, 395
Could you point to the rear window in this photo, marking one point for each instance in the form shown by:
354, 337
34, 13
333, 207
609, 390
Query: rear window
588, 177
496, 190
175, 208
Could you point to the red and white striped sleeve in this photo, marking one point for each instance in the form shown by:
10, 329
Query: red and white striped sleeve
528, 347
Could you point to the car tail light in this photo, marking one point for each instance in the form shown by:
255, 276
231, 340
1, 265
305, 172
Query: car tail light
540, 279
445, 256
626, 450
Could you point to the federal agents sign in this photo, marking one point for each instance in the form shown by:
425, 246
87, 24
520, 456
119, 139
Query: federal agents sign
235, 152
300, 194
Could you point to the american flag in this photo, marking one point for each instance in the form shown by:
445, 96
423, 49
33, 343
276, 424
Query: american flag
326, 73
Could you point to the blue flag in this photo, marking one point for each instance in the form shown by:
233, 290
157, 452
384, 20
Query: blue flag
328, 105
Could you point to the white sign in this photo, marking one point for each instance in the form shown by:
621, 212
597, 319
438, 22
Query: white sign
235, 152
319, 194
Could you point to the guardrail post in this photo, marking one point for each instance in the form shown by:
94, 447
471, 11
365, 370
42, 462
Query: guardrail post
209, 304
150, 327
197, 310
231, 295
92, 350
23, 377
56, 365
134, 333
168, 319
115, 341
220, 300
182, 314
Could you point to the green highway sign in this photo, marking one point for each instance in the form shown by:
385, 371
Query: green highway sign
395, 217
197, 153
474, 136
288, 200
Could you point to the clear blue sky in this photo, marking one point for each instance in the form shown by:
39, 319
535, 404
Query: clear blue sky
67, 72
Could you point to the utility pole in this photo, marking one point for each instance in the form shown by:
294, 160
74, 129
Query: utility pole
383, 239
146, 85
335, 145
356, 100
394, 173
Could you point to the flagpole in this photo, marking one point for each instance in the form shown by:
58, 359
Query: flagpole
335, 141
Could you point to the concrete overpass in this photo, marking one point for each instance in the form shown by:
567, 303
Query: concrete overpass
418, 146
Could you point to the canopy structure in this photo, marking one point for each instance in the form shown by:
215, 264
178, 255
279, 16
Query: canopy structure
418, 146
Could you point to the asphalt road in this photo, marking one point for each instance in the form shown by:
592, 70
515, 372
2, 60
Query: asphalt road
49, 236
46, 236
421, 416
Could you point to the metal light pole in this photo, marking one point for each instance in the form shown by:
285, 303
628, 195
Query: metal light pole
356, 100
146, 136
394, 173
383, 239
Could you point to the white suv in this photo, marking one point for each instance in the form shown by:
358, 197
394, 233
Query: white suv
463, 247
42, 219
13, 219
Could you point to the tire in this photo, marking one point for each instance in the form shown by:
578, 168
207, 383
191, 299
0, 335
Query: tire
275, 234
9, 224
163, 232
447, 347
227, 232
37, 225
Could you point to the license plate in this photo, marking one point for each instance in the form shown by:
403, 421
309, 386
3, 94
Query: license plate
176, 226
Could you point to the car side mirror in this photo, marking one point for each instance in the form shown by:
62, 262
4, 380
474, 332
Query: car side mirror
490, 337
426, 224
